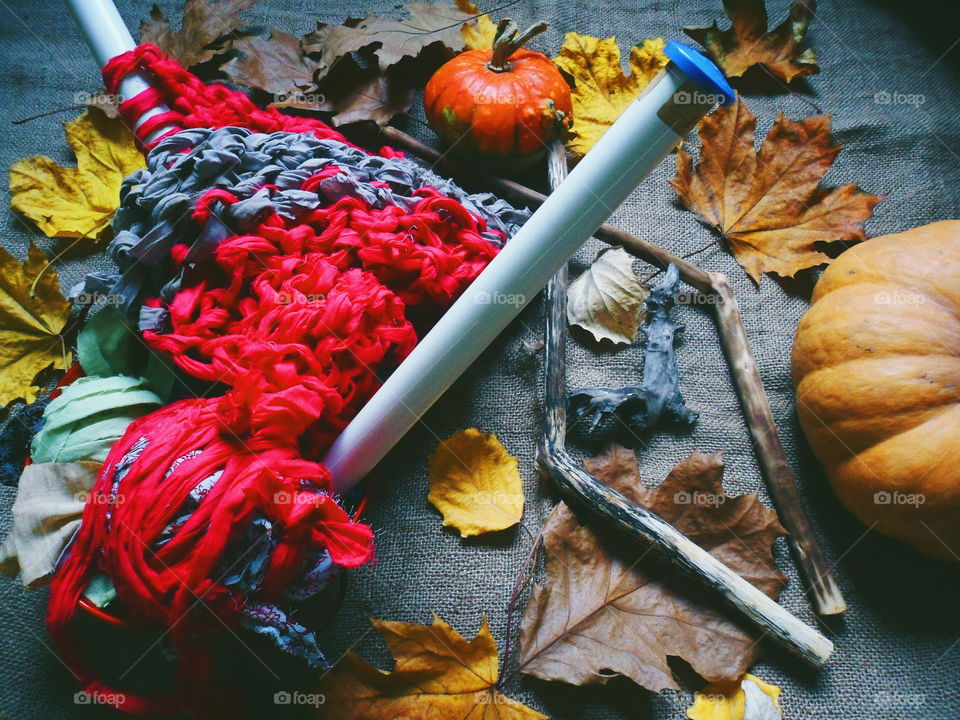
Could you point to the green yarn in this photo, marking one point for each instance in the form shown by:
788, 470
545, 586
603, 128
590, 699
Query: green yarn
89, 416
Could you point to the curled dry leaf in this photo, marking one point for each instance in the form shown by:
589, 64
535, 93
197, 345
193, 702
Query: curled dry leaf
770, 205
747, 42
33, 313
438, 674
478, 33
749, 699
608, 608
475, 483
204, 22
426, 23
601, 91
606, 300
77, 202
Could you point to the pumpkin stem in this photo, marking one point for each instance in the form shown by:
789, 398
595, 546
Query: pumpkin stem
508, 40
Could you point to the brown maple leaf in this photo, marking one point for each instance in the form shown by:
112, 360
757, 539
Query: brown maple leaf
204, 22
747, 42
608, 608
276, 64
427, 23
770, 205
356, 94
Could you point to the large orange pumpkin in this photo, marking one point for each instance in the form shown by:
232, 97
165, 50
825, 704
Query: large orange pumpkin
876, 365
499, 103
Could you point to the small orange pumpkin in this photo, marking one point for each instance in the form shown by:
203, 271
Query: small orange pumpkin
504, 102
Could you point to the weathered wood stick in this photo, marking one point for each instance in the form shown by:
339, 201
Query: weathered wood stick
781, 483
772, 619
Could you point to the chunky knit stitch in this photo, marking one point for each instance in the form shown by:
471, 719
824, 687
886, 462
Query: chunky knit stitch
269, 257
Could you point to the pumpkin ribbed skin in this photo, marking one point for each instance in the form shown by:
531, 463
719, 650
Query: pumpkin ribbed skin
498, 114
876, 366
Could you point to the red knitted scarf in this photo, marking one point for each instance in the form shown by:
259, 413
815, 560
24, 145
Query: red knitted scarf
300, 321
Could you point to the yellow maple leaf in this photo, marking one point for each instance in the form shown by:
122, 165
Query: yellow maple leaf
602, 92
33, 312
438, 676
77, 202
749, 699
478, 33
475, 483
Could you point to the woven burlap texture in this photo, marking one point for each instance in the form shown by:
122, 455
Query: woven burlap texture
898, 649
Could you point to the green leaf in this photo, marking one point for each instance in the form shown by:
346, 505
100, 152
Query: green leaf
107, 343
90, 415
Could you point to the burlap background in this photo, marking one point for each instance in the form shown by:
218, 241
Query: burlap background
898, 649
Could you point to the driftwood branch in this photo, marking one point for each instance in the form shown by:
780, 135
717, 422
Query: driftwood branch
736, 346
772, 619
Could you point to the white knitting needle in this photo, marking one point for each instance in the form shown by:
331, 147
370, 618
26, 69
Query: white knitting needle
107, 36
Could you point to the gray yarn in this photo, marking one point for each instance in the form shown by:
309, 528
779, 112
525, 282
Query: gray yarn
156, 203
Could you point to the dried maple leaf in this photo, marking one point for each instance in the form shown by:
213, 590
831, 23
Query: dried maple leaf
475, 483
747, 42
356, 94
749, 699
601, 91
276, 64
204, 22
427, 23
770, 205
607, 608
478, 33
77, 202
33, 313
606, 300
438, 674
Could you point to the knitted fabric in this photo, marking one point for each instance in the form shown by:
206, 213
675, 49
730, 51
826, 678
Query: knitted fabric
268, 257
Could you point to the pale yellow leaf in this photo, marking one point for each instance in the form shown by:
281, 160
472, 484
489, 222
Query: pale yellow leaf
438, 676
749, 699
475, 483
478, 33
602, 92
606, 300
32, 314
77, 202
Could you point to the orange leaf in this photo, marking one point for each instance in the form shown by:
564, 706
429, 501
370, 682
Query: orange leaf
770, 205
747, 42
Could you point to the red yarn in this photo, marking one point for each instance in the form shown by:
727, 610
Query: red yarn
301, 321
195, 104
